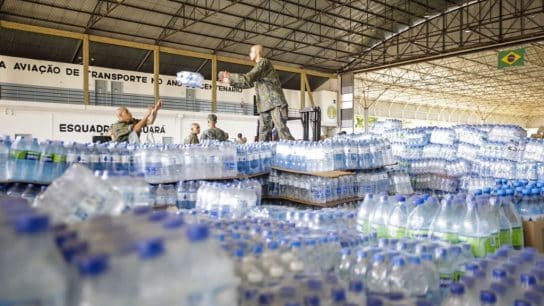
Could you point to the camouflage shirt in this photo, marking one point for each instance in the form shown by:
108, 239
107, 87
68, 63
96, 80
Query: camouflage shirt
267, 85
215, 134
121, 130
191, 139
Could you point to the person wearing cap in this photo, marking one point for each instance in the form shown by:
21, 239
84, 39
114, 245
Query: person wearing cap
240, 139
193, 136
128, 128
271, 102
213, 132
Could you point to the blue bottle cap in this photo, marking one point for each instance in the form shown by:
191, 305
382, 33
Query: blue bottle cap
314, 284
92, 265
31, 223
150, 248
197, 232
62, 236
356, 286
457, 289
174, 223
266, 299
487, 296
528, 279
338, 295
73, 249
399, 261
499, 273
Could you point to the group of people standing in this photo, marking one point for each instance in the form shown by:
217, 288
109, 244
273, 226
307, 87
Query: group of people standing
271, 105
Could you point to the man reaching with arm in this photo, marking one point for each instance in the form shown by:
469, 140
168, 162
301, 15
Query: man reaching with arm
128, 128
271, 102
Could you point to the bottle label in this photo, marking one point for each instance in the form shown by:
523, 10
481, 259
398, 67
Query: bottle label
46, 158
364, 226
505, 237
480, 245
31, 155
397, 232
445, 280
382, 231
18, 154
59, 158
418, 234
457, 275
449, 237
517, 237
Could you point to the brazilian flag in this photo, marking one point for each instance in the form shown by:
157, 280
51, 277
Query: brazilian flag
511, 58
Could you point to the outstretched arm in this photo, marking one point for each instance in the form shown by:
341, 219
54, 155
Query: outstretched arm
244, 80
149, 117
154, 112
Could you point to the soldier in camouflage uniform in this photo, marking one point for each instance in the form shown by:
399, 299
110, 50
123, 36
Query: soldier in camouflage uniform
214, 133
271, 102
128, 128
193, 137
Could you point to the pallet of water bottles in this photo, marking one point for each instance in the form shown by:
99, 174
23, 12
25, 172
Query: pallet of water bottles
30, 161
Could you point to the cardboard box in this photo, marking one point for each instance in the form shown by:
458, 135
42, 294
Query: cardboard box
533, 234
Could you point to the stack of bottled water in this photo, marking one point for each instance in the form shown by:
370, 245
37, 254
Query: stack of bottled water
400, 183
26, 191
376, 181
508, 277
504, 132
413, 269
233, 199
527, 196
534, 150
134, 190
78, 195
27, 160
337, 154
254, 158
31, 161
189, 79
167, 163
386, 125
471, 135
483, 220
482, 153
33, 273
313, 189
187, 194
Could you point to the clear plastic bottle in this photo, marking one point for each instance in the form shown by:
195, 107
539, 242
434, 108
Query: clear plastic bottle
396, 224
456, 296
513, 217
366, 209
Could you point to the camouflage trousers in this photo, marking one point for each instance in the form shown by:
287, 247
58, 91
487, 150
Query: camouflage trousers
276, 117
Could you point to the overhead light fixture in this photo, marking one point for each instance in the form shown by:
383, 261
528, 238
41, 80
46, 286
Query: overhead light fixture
468, 30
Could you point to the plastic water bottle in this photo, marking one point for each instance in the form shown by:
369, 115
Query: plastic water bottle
6, 168
397, 220
45, 166
513, 217
457, 296
41, 280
